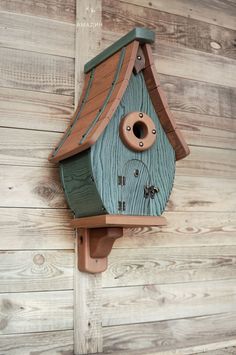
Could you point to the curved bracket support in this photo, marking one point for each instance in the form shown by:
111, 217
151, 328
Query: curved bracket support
94, 246
97, 234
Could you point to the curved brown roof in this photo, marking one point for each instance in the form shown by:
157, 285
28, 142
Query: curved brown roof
103, 89
161, 106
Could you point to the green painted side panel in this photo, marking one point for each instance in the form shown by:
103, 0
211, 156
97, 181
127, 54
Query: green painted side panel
109, 157
143, 35
79, 186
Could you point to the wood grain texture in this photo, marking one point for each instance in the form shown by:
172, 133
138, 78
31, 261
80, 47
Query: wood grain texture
37, 34
34, 110
138, 304
111, 220
194, 54
36, 93
215, 100
222, 351
184, 229
188, 63
37, 72
198, 349
133, 191
87, 303
32, 148
86, 12
26, 147
209, 120
193, 194
31, 187
23, 271
61, 10
44, 343
130, 267
218, 163
215, 12
99, 106
40, 187
87, 314
169, 28
24, 312
207, 130
171, 335
108, 164
35, 229
78, 184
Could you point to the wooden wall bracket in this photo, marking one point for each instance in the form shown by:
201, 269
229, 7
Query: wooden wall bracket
97, 234
94, 246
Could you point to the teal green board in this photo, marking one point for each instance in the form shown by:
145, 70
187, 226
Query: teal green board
136, 177
79, 186
110, 158
143, 35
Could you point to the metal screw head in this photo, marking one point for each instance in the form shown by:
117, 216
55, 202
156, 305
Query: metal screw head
141, 114
154, 131
128, 128
139, 57
141, 144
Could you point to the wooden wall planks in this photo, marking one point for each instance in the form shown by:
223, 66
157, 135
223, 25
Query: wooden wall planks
45, 343
33, 229
37, 34
61, 10
170, 334
33, 187
207, 130
188, 63
185, 269
214, 100
193, 194
40, 188
87, 314
216, 12
169, 265
119, 16
195, 58
24, 312
23, 271
34, 110
150, 303
27, 147
203, 161
35, 71
37, 244
184, 229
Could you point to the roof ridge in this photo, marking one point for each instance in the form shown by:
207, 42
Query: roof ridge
142, 35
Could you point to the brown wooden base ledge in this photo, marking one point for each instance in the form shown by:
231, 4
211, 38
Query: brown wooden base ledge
97, 235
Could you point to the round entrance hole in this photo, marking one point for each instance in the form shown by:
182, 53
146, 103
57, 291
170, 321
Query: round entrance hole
137, 131
140, 129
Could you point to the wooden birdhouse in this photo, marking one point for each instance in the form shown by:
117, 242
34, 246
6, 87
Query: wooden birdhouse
117, 158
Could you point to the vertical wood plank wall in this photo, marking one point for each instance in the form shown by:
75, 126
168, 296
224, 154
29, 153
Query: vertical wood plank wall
165, 289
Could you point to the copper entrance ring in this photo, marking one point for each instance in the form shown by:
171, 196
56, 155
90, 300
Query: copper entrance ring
138, 131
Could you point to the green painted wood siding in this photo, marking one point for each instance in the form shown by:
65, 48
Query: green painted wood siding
78, 183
